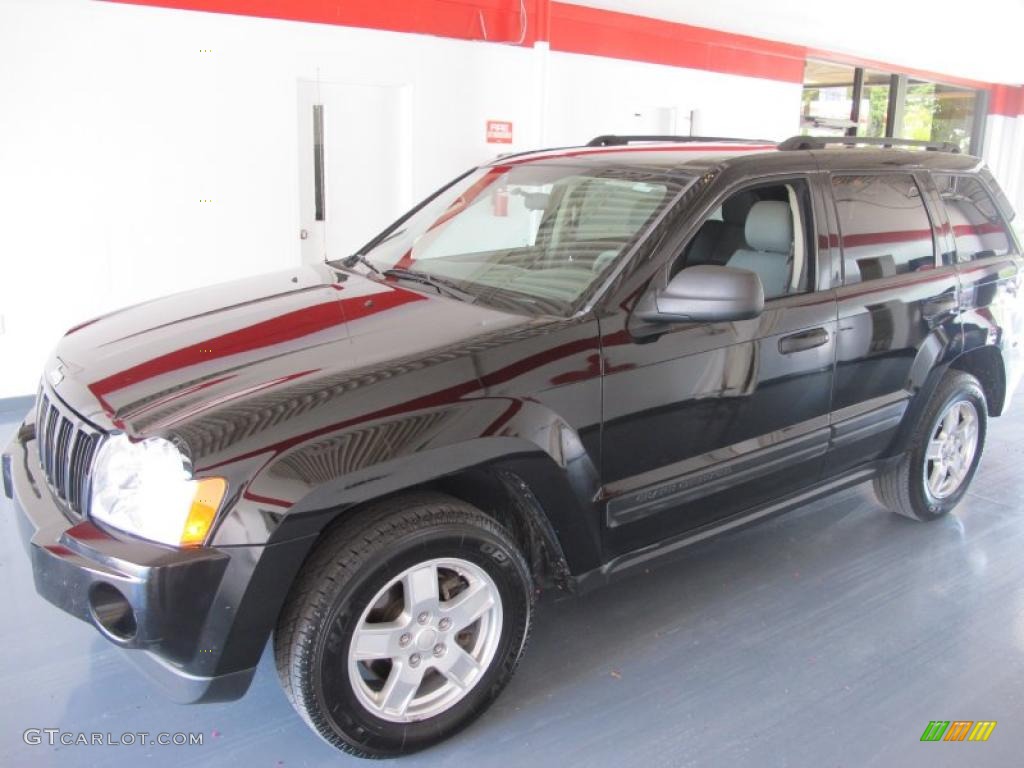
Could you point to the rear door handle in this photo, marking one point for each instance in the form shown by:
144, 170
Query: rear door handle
797, 342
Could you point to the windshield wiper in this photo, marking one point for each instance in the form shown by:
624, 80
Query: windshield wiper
358, 258
441, 286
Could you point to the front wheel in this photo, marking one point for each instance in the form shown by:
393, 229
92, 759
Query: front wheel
404, 625
945, 449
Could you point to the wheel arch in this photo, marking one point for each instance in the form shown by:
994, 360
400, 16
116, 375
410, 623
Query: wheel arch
984, 363
505, 496
499, 491
987, 366
527, 493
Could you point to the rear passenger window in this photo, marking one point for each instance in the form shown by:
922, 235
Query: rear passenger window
977, 226
884, 229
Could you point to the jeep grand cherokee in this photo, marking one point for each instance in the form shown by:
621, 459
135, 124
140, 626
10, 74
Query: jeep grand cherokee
562, 365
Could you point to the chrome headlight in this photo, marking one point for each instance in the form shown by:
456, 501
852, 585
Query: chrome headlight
146, 488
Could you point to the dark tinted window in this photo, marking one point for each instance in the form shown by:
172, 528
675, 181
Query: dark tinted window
883, 225
977, 226
763, 229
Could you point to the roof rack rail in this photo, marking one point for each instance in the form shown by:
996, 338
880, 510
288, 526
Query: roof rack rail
612, 140
821, 142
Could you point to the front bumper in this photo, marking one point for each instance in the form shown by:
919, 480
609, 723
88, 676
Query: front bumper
174, 611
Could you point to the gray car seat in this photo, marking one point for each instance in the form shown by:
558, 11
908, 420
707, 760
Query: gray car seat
718, 239
769, 235
732, 238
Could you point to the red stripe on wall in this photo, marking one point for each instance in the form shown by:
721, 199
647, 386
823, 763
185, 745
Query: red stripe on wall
1006, 100
573, 29
493, 20
577, 29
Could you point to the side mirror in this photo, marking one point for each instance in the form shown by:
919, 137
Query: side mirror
704, 293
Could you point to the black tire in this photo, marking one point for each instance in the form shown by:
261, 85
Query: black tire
904, 488
347, 569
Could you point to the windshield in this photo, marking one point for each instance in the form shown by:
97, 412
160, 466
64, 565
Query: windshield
529, 237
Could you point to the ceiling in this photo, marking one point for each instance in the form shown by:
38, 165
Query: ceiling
912, 33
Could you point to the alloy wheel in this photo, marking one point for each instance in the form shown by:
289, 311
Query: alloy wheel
951, 449
425, 640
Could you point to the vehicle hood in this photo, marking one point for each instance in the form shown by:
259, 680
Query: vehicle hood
150, 367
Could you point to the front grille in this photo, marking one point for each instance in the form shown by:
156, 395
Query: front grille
66, 447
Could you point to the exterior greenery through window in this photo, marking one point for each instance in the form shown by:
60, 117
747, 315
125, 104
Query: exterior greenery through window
843, 100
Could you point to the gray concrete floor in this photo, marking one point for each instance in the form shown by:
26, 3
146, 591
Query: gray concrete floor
827, 637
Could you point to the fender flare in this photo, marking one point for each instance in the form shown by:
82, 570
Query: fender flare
927, 386
554, 490
539, 458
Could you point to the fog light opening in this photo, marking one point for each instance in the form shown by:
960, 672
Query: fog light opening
112, 611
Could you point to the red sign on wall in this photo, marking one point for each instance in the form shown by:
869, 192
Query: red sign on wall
499, 131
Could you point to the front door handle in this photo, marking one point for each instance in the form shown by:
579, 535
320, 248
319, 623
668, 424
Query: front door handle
797, 342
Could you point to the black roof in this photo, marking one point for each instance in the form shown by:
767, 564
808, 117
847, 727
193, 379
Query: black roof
696, 156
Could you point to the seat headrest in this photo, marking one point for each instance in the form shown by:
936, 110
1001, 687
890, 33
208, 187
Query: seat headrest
736, 208
769, 227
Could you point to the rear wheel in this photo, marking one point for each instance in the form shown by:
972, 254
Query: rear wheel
944, 452
404, 625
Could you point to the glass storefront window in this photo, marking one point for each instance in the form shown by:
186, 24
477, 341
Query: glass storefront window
827, 99
936, 112
874, 104
843, 100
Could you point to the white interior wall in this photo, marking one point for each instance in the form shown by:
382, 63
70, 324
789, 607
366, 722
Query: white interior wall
589, 93
1004, 153
114, 126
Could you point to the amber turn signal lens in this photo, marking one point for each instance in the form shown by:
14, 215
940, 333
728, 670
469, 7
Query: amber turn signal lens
209, 493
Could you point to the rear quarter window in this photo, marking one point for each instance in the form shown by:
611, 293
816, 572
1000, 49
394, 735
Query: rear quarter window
978, 227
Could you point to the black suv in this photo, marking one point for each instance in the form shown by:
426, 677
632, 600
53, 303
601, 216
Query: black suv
563, 364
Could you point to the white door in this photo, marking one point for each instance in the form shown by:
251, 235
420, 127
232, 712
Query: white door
354, 164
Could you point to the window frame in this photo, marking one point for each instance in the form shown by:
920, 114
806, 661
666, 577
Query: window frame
812, 253
925, 188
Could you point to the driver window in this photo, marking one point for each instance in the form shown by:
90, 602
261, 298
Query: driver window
765, 229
